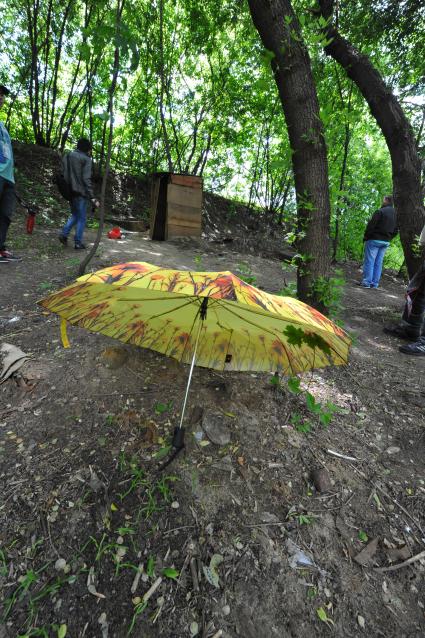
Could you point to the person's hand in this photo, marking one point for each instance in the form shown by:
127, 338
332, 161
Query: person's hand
95, 203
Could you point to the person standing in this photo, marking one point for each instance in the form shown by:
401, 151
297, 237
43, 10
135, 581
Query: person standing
7, 185
412, 325
380, 230
77, 171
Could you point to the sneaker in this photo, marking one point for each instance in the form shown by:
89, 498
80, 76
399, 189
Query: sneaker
79, 246
3, 260
417, 349
402, 331
362, 285
63, 240
6, 255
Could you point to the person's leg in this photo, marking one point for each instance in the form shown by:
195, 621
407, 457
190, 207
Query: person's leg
7, 208
414, 310
412, 323
377, 268
72, 220
81, 220
370, 252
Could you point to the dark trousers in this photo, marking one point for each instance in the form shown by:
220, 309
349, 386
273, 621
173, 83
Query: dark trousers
414, 309
7, 208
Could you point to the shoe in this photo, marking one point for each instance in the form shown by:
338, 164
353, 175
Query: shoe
6, 255
4, 260
362, 285
63, 240
79, 246
402, 331
417, 349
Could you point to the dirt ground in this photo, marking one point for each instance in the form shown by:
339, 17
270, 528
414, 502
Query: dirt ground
237, 537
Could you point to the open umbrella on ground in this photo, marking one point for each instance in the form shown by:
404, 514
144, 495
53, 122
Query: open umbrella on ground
211, 319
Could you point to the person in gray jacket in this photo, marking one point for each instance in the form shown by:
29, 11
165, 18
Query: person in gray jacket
77, 170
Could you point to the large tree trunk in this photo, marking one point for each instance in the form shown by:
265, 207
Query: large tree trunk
280, 32
406, 166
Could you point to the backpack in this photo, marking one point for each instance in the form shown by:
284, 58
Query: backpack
62, 185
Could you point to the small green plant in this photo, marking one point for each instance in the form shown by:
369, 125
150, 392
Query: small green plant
289, 290
245, 273
138, 610
300, 424
72, 261
300, 517
45, 285
3, 564
329, 292
197, 260
103, 547
363, 537
322, 615
323, 412
110, 420
161, 408
92, 223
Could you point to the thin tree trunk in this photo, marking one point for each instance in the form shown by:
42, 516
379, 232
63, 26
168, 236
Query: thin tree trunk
162, 90
385, 108
116, 67
280, 32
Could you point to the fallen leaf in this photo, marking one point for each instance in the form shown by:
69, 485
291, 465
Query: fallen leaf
62, 631
365, 556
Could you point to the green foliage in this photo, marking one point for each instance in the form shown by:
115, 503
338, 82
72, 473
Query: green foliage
245, 273
290, 290
161, 408
363, 537
329, 291
197, 95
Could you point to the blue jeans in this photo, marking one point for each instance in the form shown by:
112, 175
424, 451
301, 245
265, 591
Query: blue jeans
78, 218
374, 252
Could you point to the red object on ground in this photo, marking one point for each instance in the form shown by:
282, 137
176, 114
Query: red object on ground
30, 223
115, 233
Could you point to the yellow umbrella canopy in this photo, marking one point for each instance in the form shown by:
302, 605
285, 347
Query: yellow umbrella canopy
228, 323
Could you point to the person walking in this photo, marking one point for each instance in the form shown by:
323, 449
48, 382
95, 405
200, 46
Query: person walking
380, 230
7, 185
77, 171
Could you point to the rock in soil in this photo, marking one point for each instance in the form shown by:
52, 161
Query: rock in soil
321, 479
216, 428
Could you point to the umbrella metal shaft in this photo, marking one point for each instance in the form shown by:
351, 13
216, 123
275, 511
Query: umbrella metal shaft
190, 373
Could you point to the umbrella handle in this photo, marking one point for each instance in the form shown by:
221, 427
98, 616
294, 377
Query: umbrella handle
202, 316
179, 431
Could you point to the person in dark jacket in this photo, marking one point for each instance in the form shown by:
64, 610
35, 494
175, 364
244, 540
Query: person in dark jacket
77, 170
412, 325
381, 229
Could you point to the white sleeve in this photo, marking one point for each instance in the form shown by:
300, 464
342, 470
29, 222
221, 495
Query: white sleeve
422, 237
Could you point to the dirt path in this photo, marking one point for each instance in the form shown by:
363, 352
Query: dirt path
243, 542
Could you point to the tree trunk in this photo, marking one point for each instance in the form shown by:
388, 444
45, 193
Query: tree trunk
406, 166
280, 32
